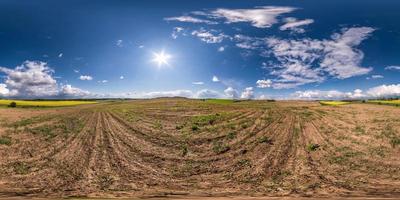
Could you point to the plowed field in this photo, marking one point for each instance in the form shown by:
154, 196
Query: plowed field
161, 147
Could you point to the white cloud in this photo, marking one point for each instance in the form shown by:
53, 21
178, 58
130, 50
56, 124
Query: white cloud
85, 78
384, 91
260, 17
208, 36
189, 19
33, 79
173, 93
103, 81
177, 31
309, 61
60, 55
76, 71
341, 59
141, 46
4, 91
215, 79
206, 93
121, 77
231, 93
264, 83
318, 94
30, 79
393, 67
295, 25
247, 93
119, 43
69, 91
198, 83
221, 49
376, 76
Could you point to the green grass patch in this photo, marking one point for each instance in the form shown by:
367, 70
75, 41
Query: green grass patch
220, 101
5, 140
386, 102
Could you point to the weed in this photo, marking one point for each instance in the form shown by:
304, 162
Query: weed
264, 139
313, 147
21, 168
395, 141
220, 148
105, 181
231, 135
195, 127
184, 150
244, 126
5, 140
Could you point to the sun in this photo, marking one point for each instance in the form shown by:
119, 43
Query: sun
161, 58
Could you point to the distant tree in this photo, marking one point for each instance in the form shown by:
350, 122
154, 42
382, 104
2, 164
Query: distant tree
12, 105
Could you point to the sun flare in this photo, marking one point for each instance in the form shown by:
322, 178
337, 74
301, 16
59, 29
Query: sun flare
161, 58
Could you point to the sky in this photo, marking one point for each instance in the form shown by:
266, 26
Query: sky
308, 49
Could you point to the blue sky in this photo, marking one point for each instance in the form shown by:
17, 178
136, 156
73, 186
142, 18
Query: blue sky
225, 49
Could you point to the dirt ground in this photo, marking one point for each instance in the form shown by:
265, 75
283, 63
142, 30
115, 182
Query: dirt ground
191, 149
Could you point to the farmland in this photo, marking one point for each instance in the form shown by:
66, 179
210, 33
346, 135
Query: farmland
176, 146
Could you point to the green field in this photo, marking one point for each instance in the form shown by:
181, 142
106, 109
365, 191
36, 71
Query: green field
220, 101
27, 103
386, 102
333, 103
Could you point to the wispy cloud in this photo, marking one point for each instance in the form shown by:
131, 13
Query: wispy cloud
189, 19
85, 78
295, 25
260, 17
119, 43
392, 67
198, 83
209, 36
308, 61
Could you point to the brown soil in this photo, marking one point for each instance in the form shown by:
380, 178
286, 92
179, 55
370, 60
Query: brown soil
190, 149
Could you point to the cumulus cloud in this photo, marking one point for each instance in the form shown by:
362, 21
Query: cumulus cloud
384, 91
121, 77
393, 67
309, 60
221, 49
197, 83
85, 78
4, 91
209, 36
60, 55
231, 93
260, 17
248, 93
215, 79
69, 91
189, 19
206, 93
33, 79
172, 93
295, 25
264, 83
